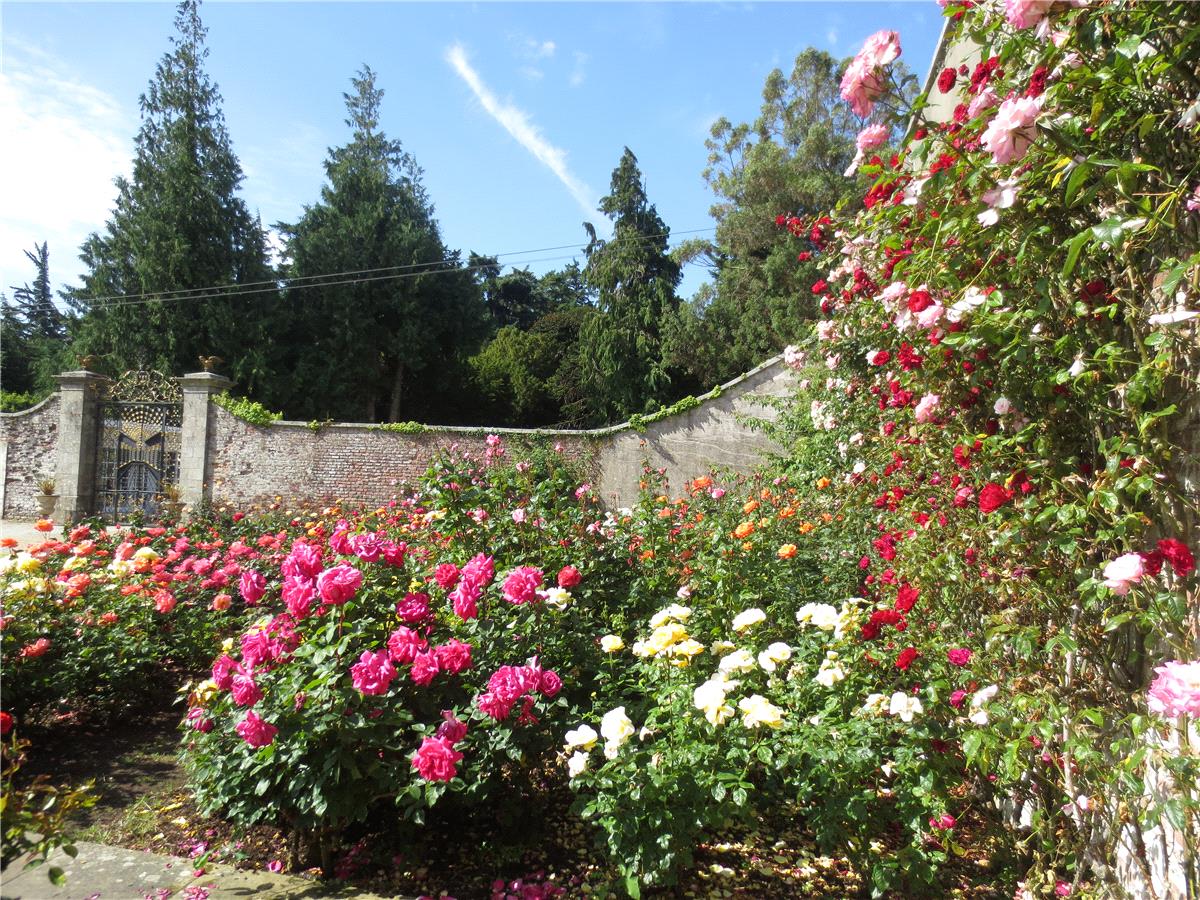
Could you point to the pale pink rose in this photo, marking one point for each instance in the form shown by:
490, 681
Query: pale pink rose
1026, 13
1002, 196
793, 357
927, 408
1123, 572
929, 316
1175, 690
518, 515
1003, 406
881, 48
865, 81
871, 137
1013, 128
985, 99
826, 330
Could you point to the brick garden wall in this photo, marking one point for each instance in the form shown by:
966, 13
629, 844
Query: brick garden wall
28, 453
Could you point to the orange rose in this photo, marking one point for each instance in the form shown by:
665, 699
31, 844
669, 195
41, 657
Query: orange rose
787, 551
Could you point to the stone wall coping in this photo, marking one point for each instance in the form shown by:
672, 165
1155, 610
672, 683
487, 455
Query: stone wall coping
30, 410
80, 377
205, 381
474, 430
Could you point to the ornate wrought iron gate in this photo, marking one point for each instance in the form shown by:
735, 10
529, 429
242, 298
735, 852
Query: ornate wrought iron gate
137, 450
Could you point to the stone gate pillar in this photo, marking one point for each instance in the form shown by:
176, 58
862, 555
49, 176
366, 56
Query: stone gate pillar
198, 390
78, 428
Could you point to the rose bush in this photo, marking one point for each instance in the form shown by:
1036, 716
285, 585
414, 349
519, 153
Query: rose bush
418, 653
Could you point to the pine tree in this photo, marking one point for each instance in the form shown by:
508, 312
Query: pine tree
178, 224
635, 279
33, 332
369, 347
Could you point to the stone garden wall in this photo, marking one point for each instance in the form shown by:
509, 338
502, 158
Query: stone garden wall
28, 454
364, 464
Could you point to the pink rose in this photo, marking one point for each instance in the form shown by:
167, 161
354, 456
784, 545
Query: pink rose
984, 100
871, 137
446, 575
480, 570
404, 644
299, 593
1175, 690
1026, 13
453, 657
255, 731
413, 608
550, 684
252, 585
865, 81
222, 671
424, 668
367, 547
436, 759
199, 721
959, 656
372, 674
304, 561
1123, 572
339, 584
1012, 130
465, 598
521, 585
393, 552
957, 698
452, 729
244, 690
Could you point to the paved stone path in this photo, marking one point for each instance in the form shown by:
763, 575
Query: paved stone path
111, 873
24, 532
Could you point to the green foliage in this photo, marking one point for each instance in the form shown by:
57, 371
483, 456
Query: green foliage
638, 422
791, 159
246, 409
11, 401
403, 427
178, 224
34, 813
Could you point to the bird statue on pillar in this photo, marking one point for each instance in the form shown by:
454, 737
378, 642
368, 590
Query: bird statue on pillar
210, 363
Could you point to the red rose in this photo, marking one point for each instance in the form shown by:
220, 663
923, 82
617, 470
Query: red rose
6, 723
569, 577
1178, 555
946, 80
906, 597
992, 497
906, 658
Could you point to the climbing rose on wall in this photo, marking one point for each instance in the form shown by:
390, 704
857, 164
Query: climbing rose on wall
1175, 690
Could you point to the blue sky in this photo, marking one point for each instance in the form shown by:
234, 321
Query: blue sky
517, 112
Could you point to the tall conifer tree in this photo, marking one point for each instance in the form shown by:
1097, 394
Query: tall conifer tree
635, 279
378, 346
178, 224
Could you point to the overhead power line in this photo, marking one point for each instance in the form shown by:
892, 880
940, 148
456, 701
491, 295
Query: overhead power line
410, 270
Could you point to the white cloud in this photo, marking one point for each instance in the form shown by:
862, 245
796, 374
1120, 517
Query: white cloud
517, 123
64, 143
532, 73
831, 37
578, 74
541, 49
